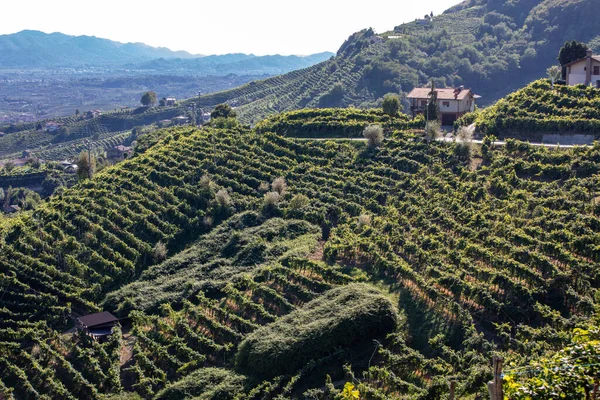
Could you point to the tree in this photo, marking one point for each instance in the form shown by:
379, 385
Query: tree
432, 104
391, 104
374, 135
571, 51
223, 111
163, 102
86, 166
554, 73
9, 166
148, 98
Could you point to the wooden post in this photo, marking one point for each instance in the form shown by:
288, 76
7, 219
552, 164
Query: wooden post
452, 389
498, 392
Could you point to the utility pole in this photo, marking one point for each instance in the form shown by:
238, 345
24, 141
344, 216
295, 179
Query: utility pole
89, 151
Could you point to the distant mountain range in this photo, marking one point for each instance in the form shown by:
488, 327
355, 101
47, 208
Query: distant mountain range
239, 64
34, 49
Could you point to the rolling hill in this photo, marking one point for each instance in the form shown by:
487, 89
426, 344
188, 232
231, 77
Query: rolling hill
491, 46
246, 264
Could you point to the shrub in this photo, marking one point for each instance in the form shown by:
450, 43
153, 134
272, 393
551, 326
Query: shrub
271, 199
279, 186
223, 199
264, 187
364, 220
340, 318
374, 135
299, 201
464, 142
433, 131
159, 252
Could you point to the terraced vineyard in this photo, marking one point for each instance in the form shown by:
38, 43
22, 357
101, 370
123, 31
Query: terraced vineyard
538, 108
106, 130
474, 260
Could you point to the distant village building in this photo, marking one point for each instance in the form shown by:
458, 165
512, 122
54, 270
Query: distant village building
97, 325
93, 114
1, 134
163, 123
69, 167
585, 71
181, 120
170, 101
52, 126
453, 103
119, 152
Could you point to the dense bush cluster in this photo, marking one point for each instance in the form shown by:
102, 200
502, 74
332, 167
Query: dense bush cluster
342, 317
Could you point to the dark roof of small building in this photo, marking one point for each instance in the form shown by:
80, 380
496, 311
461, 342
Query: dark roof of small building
97, 319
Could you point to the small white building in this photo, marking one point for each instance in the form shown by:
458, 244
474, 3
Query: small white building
170, 101
453, 103
53, 126
585, 71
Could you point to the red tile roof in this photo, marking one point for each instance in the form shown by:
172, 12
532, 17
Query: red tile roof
443, 93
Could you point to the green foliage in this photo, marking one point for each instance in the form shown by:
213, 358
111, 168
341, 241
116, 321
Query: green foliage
86, 166
571, 51
205, 383
340, 318
571, 373
148, 99
538, 108
333, 123
391, 104
223, 111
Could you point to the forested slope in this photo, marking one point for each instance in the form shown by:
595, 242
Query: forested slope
493, 47
456, 262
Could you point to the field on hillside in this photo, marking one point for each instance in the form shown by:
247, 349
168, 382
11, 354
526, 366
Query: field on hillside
539, 109
217, 247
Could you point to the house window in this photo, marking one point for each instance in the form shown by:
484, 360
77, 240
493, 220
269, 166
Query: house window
446, 104
423, 103
597, 70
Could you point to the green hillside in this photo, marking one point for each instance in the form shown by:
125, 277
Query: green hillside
493, 47
206, 253
539, 109
107, 130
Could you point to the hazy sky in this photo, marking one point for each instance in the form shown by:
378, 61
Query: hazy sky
216, 27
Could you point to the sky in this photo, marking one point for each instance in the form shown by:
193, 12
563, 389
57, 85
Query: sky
218, 27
